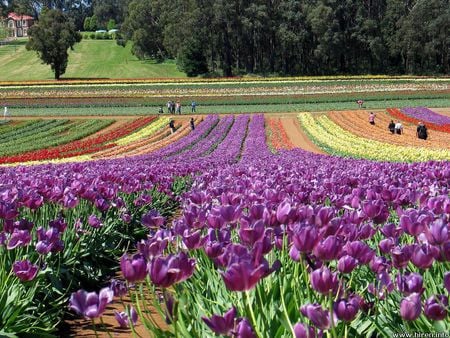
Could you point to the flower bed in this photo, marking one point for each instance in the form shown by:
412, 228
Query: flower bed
337, 141
427, 115
396, 113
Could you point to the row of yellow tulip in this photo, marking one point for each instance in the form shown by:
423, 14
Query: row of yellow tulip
213, 80
144, 132
337, 141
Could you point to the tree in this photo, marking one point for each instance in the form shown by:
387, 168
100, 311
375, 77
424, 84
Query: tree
51, 37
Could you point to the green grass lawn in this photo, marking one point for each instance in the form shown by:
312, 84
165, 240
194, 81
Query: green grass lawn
89, 59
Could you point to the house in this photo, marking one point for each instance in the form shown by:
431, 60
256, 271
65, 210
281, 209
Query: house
18, 24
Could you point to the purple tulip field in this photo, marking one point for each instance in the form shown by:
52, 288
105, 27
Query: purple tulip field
222, 237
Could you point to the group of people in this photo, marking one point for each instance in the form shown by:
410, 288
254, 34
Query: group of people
175, 107
397, 127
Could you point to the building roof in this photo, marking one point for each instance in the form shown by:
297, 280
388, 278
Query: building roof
17, 17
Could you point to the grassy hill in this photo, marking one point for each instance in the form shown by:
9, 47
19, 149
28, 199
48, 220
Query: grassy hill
89, 59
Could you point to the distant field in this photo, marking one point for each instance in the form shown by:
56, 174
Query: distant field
89, 59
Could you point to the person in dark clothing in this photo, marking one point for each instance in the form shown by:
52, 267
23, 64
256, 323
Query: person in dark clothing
172, 126
192, 123
391, 127
422, 131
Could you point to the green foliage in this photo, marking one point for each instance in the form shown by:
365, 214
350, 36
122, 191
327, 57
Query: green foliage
111, 24
51, 37
191, 59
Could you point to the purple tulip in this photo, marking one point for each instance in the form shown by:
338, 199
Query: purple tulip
94, 222
382, 286
410, 283
323, 281
170, 307
305, 238
193, 240
323, 216
91, 305
346, 309
438, 232
119, 287
152, 247
411, 307
317, 315
124, 320
401, 256
386, 245
328, 249
153, 219
222, 325
252, 233
19, 238
423, 255
379, 263
25, 270
304, 331
346, 264
436, 307
243, 276
134, 269
166, 271
359, 250
229, 213
447, 281
244, 329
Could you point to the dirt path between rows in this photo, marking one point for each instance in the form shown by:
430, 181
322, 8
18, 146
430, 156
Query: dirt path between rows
297, 136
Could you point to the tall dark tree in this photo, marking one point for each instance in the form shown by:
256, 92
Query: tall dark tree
51, 37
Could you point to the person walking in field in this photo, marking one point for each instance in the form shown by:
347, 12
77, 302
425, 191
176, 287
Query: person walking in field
372, 118
5, 113
169, 106
192, 123
391, 127
398, 128
178, 108
193, 106
360, 103
422, 131
172, 126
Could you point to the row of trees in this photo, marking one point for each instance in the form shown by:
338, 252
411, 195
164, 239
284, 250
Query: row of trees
286, 37
294, 36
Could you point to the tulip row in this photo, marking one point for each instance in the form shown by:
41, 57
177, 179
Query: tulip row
144, 132
396, 113
302, 245
335, 140
83, 146
426, 115
278, 138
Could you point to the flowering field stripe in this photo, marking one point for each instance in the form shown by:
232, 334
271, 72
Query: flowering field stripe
194, 137
398, 114
337, 141
162, 139
29, 128
276, 135
210, 140
82, 147
427, 115
357, 123
145, 132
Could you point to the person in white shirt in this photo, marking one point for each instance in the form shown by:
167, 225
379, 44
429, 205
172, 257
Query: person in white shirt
5, 113
398, 128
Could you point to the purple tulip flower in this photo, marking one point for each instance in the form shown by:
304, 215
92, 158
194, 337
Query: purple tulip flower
124, 320
436, 307
119, 287
166, 271
328, 249
423, 255
222, 325
91, 305
244, 329
324, 281
94, 222
19, 238
304, 331
134, 269
346, 309
347, 264
305, 238
25, 270
401, 256
317, 315
410, 283
411, 307
438, 232
243, 276
153, 219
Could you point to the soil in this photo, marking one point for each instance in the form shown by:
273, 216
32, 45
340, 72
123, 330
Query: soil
297, 136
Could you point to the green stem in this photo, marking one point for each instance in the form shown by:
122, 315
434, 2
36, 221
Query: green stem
286, 315
252, 314
105, 328
95, 327
333, 332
